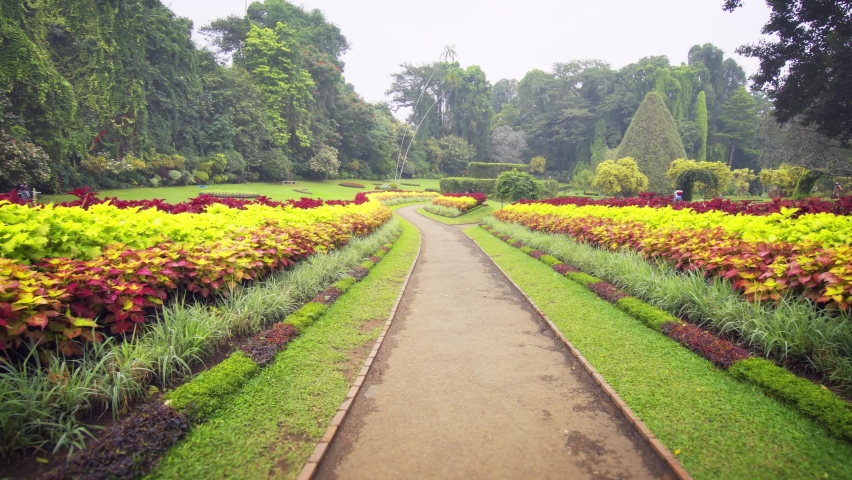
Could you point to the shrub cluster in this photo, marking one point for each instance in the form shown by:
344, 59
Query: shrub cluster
351, 185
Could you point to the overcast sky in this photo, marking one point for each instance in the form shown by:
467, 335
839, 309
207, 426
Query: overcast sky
507, 38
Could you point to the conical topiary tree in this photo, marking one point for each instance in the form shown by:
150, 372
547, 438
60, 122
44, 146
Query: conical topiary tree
652, 140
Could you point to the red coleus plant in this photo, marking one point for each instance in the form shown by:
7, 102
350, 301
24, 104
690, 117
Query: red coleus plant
721, 352
761, 270
842, 206
87, 197
61, 300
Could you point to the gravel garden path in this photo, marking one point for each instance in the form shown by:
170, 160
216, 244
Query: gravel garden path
470, 383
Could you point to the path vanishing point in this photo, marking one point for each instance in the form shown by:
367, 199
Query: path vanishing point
471, 383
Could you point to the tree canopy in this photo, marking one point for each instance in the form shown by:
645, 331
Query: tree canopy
806, 63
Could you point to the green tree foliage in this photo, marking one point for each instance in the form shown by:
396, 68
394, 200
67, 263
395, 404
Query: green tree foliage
21, 161
456, 153
582, 179
806, 63
739, 117
99, 82
538, 164
701, 121
446, 99
599, 145
781, 181
508, 145
621, 178
742, 178
653, 141
513, 185
271, 57
325, 162
689, 178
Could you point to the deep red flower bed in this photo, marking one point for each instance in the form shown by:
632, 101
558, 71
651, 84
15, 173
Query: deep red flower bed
607, 292
842, 206
721, 352
87, 197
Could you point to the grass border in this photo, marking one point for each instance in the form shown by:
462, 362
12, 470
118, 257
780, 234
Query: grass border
813, 400
758, 437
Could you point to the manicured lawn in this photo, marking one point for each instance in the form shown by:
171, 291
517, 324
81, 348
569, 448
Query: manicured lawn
475, 215
723, 428
271, 427
326, 189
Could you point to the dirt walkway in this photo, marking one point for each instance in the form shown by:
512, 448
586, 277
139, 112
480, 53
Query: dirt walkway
471, 384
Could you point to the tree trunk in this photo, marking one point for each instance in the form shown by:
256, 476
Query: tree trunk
731, 160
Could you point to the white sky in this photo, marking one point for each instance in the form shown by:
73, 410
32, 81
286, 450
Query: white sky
507, 38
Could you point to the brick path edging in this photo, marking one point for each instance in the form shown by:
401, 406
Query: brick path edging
637, 423
310, 467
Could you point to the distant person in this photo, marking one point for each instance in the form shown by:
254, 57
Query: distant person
23, 191
678, 196
838, 190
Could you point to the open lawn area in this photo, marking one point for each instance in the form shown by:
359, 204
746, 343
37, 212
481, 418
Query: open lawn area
326, 189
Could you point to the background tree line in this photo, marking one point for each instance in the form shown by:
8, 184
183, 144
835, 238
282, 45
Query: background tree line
116, 94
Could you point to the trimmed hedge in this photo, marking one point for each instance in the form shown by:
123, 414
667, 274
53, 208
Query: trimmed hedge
344, 283
204, 394
550, 260
650, 315
307, 315
464, 184
582, 278
814, 400
493, 170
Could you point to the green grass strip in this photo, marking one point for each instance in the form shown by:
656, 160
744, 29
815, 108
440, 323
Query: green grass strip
271, 426
474, 215
723, 427
812, 399
206, 392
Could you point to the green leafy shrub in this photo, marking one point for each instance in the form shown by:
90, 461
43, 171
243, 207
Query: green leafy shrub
205, 393
307, 315
814, 400
550, 260
513, 186
526, 249
344, 283
651, 316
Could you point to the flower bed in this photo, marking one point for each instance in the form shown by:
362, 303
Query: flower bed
811, 399
69, 272
763, 256
842, 206
460, 201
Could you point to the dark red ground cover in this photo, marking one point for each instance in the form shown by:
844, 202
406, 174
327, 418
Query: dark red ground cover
721, 352
536, 254
130, 449
842, 206
263, 346
358, 273
606, 291
564, 268
328, 296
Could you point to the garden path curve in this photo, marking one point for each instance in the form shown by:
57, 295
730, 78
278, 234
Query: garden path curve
470, 383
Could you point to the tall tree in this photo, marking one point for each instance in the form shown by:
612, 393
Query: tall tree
739, 117
507, 145
806, 63
652, 141
701, 121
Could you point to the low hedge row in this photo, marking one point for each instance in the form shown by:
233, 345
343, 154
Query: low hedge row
493, 170
811, 399
133, 447
548, 188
